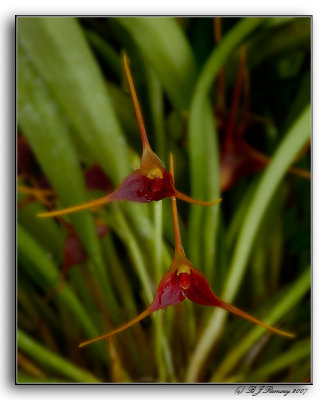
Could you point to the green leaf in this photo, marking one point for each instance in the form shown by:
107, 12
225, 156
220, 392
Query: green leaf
44, 125
283, 361
46, 231
45, 268
53, 361
61, 54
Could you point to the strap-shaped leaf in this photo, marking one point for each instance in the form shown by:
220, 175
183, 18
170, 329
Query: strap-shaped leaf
43, 123
61, 55
52, 361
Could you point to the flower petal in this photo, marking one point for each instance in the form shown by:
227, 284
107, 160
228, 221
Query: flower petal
169, 292
135, 187
200, 292
237, 164
74, 252
140, 188
96, 179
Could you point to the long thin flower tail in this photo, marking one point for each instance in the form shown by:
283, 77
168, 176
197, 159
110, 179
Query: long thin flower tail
150, 161
136, 105
266, 160
122, 328
188, 199
243, 314
79, 207
201, 293
39, 194
184, 197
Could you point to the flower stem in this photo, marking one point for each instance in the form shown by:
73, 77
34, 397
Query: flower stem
159, 332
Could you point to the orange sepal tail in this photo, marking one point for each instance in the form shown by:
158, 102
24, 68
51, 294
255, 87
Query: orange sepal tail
191, 200
122, 328
243, 314
79, 207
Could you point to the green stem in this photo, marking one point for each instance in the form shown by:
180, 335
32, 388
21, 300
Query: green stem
124, 231
119, 277
159, 332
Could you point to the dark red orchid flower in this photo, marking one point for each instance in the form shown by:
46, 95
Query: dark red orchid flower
181, 281
45, 196
151, 182
27, 167
73, 251
96, 179
238, 158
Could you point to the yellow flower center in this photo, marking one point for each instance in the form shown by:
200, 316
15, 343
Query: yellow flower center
155, 173
183, 269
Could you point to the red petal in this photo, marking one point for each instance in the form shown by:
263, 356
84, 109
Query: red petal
102, 230
140, 188
235, 164
200, 292
96, 179
74, 252
135, 187
168, 293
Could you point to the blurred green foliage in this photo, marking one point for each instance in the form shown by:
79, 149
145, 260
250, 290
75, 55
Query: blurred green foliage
74, 110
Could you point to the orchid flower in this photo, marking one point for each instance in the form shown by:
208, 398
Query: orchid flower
181, 281
40, 188
45, 196
238, 158
73, 251
95, 179
151, 182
